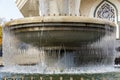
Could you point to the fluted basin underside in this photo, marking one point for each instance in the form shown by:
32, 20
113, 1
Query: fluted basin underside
54, 32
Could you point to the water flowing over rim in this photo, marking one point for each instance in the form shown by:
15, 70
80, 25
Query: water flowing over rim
53, 19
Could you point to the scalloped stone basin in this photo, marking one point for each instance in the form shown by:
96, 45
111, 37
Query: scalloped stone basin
57, 31
59, 41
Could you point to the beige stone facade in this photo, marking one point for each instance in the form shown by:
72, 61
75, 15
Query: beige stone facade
88, 8
28, 7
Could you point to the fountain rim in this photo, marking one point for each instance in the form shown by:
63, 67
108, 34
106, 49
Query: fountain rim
53, 19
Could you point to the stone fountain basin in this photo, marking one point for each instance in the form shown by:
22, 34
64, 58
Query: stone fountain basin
57, 31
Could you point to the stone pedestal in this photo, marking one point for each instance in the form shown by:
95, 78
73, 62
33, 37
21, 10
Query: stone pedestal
59, 7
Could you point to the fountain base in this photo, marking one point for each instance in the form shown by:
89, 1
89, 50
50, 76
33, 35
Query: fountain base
75, 76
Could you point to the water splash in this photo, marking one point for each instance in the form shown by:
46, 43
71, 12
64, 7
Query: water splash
53, 70
21, 55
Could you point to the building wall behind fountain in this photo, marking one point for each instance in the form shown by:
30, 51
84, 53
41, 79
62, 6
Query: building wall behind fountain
85, 10
87, 7
91, 7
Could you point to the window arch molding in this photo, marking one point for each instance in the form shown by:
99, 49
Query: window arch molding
111, 5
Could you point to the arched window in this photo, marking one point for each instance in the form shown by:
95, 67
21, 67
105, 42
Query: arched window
106, 10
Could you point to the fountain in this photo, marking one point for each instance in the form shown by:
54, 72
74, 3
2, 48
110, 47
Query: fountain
59, 41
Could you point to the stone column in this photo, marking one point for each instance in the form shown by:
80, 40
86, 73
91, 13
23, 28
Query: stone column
74, 7
59, 7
